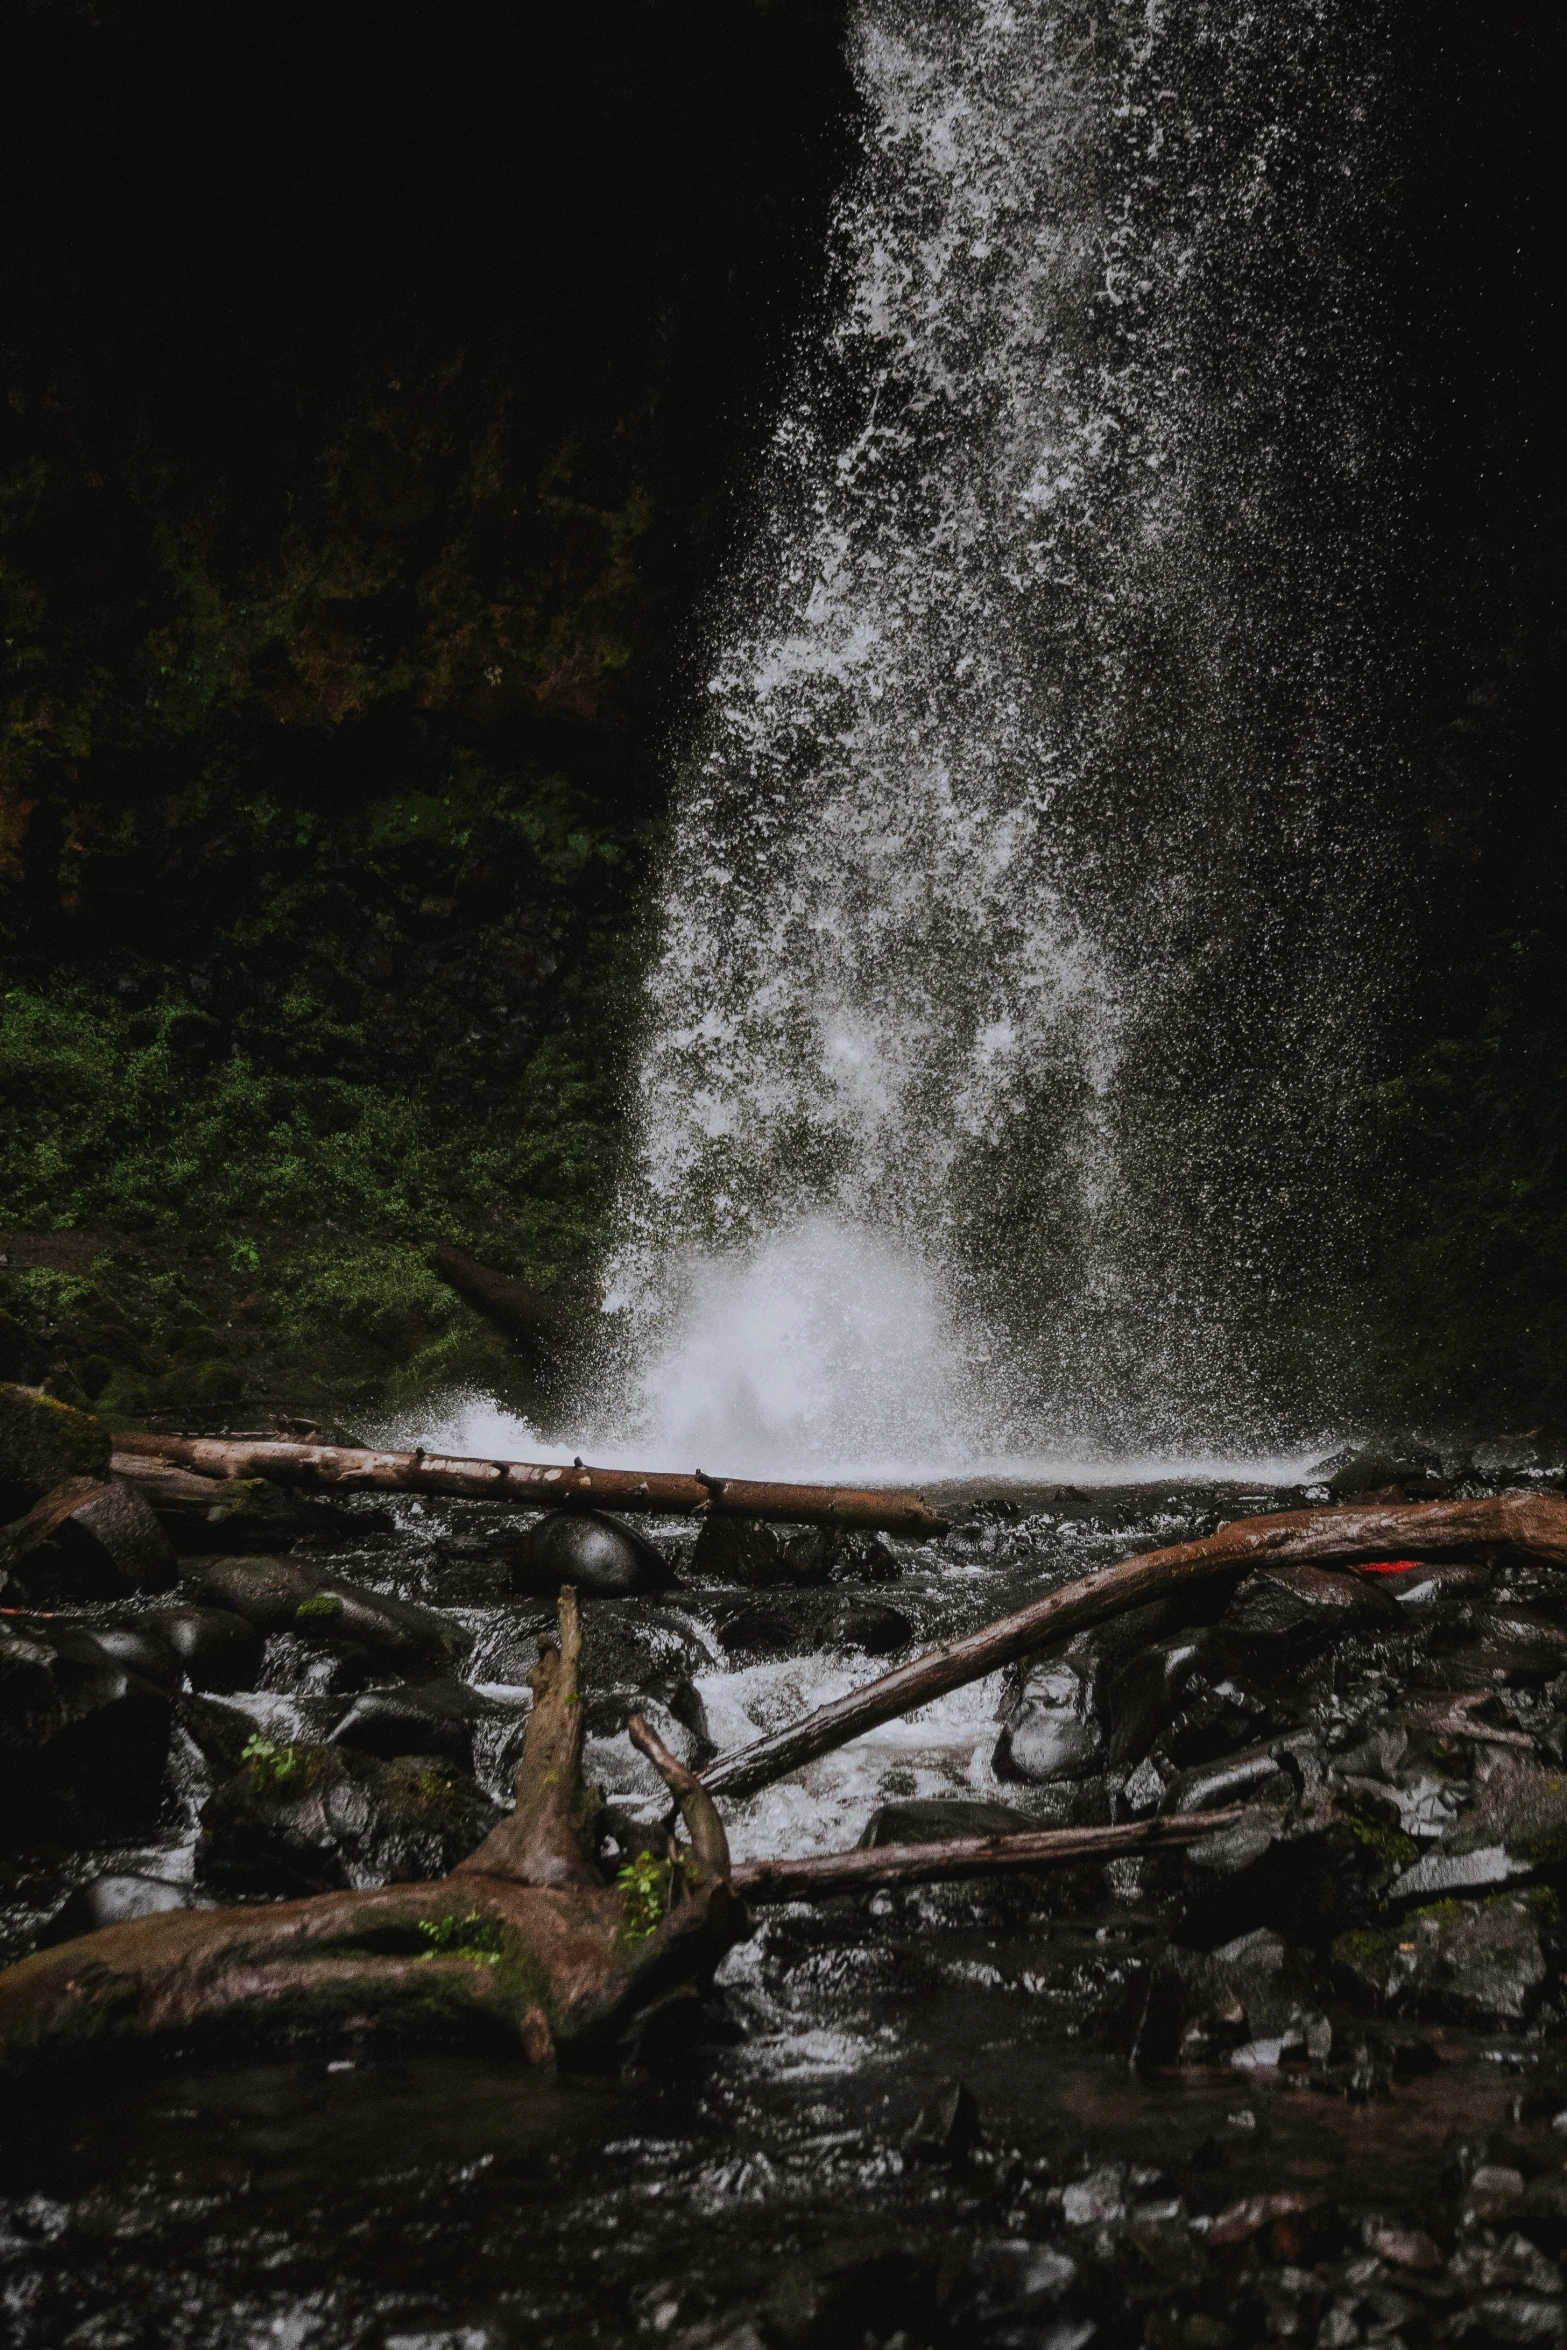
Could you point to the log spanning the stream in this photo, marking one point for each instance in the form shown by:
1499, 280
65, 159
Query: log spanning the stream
1531, 1525
536, 1484
881, 1865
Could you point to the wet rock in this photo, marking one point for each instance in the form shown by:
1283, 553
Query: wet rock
43, 1444
939, 1819
946, 2127
141, 1652
811, 1621
1269, 1775
279, 1595
1310, 1870
1432, 1588
1187, 1694
1302, 1609
112, 1900
87, 1539
1012, 2291
308, 1819
1518, 1647
83, 1740
1448, 1872
217, 1649
635, 1644
601, 1556
1465, 1959
1407, 1469
753, 1553
1049, 1731
433, 1717
1256, 2001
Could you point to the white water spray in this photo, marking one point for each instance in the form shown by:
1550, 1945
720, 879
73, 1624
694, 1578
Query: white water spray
997, 740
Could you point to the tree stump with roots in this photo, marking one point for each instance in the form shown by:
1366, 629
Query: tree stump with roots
527, 1941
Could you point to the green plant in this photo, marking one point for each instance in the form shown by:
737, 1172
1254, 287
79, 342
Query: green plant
476, 1938
644, 1888
270, 1764
244, 1257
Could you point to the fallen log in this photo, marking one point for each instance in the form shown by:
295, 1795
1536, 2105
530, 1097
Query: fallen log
513, 1307
1532, 1525
533, 1484
526, 1941
825, 1873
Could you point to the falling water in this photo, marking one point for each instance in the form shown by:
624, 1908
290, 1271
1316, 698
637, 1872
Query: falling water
1033, 710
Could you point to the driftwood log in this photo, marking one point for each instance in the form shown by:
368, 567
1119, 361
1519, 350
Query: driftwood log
331, 1468
1529, 1525
868, 1871
526, 1941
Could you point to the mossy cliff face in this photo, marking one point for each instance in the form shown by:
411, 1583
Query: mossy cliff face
375, 400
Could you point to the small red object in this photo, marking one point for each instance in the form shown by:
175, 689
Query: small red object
1388, 1566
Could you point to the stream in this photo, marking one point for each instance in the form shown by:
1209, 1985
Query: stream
750, 2179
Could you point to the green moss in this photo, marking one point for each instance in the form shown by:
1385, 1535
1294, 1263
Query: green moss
323, 1609
1366, 1953
1389, 1846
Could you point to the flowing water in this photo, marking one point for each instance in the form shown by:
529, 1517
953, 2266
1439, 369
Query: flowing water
1003, 1038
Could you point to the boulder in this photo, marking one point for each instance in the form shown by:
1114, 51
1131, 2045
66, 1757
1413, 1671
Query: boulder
285, 1595
1477, 1961
309, 1819
1524, 1811
112, 1899
1049, 1731
754, 1554
1303, 1609
601, 1557
791, 1623
1256, 2001
83, 1739
42, 1444
88, 1538
941, 1819
217, 1649
432, 1717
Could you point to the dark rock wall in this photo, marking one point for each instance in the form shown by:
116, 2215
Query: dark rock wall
378, 392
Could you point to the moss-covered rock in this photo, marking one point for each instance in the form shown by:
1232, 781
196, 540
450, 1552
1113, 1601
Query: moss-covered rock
306, 1819
43, 1442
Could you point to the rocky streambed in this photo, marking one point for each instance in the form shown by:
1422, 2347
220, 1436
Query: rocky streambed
1300, 2081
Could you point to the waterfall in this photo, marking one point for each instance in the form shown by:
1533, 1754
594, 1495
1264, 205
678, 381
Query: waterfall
1010, 901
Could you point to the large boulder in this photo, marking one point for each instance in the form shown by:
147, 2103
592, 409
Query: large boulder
89, 1538
601, 1557
84, 1738
1049, 1732
42, 1443
278, 1595
1476, 1961
431, 1717
942, 1819
308, 1819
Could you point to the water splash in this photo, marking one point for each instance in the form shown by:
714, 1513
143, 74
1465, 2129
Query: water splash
1018, 721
